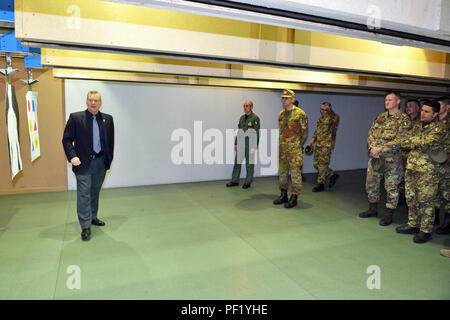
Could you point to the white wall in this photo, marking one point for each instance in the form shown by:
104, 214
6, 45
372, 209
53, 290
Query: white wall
146, 115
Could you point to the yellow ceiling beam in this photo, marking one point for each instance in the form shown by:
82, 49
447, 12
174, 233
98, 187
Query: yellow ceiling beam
187, 68
203, 81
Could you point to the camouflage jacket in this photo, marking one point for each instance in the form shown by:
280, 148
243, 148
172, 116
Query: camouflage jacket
387, 129
405, 152
252, 122
325, 134
446, 124
293, 129
424, 137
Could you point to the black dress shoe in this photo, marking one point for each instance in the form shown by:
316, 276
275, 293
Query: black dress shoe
407, 229
333, 179
86, 234
98, 222
232, 184
246, 185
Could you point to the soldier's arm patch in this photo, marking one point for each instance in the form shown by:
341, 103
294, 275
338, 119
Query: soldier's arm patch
437, 129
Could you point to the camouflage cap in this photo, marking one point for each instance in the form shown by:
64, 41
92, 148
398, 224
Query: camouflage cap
377, 164
437, 155
287, 93
309, 150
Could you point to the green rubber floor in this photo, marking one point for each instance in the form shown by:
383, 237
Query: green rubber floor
205, 241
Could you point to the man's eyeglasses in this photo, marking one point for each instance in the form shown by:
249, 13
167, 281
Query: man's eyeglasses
326, 110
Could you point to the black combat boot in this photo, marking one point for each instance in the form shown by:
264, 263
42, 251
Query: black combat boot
407, 229
387, 217
282, 198
372, 212
333, 179
320, 187
445, 227
436, 216
422, 237
292, 201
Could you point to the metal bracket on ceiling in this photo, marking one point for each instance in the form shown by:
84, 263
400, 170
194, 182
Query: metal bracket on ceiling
9, 44
30, 81
8, 71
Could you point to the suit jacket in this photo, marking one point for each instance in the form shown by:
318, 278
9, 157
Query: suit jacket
77, 139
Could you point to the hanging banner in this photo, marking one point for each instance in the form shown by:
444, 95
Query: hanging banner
33, 128
12, 125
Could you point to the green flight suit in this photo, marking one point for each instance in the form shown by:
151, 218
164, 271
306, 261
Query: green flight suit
248, 129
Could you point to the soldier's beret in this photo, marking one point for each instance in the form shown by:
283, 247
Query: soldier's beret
287, 93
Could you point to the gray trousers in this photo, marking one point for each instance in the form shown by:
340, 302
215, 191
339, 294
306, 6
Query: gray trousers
88, 190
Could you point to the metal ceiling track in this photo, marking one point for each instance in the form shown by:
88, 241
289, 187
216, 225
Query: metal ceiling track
323, 20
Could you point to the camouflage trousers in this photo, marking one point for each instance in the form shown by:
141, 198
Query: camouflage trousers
443, 196
293, 162
421, 189
392, 170
322, 156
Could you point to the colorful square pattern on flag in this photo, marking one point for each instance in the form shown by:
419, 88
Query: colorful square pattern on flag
33, 127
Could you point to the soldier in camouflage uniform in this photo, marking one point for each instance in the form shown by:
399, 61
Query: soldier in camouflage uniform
247, 146
325, 138
413, 111
303, 177
293, 126
444, 171
387, 127
421, 179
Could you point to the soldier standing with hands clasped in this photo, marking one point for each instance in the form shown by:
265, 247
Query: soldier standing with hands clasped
387, 127
427, 144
